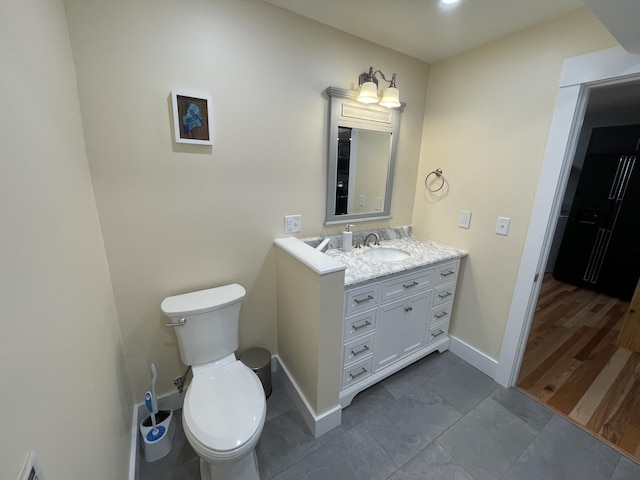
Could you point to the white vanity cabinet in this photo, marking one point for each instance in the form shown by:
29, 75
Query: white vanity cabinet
391, 323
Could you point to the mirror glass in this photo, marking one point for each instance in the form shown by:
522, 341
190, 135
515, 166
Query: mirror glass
362, 151
362, 170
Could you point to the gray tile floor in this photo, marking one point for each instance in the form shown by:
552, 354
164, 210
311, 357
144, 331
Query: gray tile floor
439, 419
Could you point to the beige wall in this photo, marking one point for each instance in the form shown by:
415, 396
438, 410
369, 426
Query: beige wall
487, 117
177, 218
65, 392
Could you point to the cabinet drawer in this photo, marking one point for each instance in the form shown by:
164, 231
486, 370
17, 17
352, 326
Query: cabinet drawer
447, 272
406, 285
440, 314
359, 325
357, 350
443, 293
356, 372
361, 298
438, 331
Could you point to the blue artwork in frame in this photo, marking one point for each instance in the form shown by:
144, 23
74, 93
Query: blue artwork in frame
192, 117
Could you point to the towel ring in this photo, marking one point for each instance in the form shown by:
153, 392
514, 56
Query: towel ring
438, 173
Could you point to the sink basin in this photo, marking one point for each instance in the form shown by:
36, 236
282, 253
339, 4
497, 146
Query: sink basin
386, 254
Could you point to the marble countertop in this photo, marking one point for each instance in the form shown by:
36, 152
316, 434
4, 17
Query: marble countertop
422, 253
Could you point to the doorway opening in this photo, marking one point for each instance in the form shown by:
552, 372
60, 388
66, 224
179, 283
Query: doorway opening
587, 101
572, 363
580, 75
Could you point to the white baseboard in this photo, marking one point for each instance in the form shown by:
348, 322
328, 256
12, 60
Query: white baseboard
318, 424
473, 357
133, 457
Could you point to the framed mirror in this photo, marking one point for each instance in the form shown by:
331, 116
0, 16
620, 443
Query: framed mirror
362, 153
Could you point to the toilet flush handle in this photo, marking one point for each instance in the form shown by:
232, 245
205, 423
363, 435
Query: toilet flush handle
179, 323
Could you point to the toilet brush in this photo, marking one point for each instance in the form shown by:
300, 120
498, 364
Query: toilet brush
151, 402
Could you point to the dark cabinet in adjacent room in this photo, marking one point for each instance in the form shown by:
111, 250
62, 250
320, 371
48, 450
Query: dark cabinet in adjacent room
600, 249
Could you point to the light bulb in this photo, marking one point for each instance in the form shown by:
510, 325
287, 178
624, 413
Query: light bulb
368, 93
391, 98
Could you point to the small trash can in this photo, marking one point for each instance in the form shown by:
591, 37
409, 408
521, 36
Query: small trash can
259, 360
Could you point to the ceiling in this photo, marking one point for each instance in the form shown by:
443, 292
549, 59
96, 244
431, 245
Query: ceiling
425, 29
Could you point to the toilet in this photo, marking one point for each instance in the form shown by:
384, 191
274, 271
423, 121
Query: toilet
224, 406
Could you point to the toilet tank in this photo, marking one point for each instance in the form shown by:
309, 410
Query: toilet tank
208, 322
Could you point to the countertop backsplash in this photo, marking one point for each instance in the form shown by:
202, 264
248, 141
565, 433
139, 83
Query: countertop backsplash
384, 234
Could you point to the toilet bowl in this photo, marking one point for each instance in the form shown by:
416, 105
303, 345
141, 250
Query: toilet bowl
224, 429
224, 407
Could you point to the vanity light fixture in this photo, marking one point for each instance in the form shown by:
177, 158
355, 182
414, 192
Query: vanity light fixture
369, 89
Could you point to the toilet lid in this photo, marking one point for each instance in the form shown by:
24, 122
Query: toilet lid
224, 406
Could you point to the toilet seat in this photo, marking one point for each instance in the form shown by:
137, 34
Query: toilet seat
224, 410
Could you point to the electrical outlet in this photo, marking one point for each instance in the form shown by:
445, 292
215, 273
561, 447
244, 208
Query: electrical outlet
464, 221
362, 200
502, 227
292, 223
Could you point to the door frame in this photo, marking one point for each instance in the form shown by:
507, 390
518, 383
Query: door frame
579, 76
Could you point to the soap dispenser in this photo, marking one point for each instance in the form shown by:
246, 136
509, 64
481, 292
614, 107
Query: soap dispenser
347, 239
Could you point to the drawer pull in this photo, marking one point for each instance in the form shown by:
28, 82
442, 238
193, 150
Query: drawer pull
443, 314
411, 285
358, 327
408, 309
446, 274
359, 301
361, 372
359, 352
440, 332
444, 295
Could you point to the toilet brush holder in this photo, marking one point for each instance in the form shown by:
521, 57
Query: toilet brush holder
156, 445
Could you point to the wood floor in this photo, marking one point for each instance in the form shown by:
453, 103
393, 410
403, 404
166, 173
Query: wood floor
572, 364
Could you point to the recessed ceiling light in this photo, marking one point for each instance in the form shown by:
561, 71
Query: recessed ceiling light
449, 2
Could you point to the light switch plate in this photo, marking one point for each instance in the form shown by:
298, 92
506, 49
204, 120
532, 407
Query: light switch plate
465, 219
502, 227
292, 223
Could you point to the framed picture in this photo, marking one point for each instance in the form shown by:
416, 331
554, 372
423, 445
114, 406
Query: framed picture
192, 117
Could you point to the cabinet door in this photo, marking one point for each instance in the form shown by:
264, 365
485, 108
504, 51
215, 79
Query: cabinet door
388, 334
416, 318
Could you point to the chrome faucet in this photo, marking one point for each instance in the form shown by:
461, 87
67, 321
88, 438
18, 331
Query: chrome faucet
368, 237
